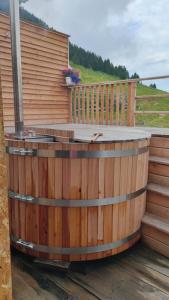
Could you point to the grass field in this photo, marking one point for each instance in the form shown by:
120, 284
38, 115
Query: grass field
90, 76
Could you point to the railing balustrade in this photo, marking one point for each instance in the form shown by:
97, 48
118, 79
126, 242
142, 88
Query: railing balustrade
103, 103
110, 103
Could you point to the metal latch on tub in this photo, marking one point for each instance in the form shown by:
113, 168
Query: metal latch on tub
24, 244
20, 197
20, 151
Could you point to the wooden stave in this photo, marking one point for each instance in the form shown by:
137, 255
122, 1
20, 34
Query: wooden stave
79, 239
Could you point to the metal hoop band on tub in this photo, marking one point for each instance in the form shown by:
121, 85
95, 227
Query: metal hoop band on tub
75, 203
75, 153
73, 250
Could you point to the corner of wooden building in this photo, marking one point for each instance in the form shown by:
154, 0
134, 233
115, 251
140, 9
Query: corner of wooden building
5, 261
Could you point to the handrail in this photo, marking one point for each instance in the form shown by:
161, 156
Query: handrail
154, 78
153, 97
136, 80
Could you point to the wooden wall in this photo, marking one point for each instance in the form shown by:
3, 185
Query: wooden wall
44, 56
5, 262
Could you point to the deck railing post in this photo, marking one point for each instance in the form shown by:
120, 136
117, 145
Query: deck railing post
131, 103
70, 96
5, 263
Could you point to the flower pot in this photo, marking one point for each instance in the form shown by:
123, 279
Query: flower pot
68, 80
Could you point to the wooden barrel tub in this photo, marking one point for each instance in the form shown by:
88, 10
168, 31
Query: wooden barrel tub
76, 201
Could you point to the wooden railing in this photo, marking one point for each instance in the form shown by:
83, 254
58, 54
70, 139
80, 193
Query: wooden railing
153, 98
103, 103
111, 103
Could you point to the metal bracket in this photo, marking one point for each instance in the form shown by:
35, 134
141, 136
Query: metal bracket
21, 197
25, 244
21, 151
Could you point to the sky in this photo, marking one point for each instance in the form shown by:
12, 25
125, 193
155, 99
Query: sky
134, 33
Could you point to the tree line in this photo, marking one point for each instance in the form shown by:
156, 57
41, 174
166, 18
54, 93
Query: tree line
90, 60
25, 15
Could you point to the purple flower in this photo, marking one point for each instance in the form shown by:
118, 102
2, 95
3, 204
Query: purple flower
67, 72
74, 74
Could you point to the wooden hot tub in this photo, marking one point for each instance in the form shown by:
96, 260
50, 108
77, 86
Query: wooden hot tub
77, 201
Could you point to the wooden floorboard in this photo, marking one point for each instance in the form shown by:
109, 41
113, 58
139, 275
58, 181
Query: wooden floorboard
139, 273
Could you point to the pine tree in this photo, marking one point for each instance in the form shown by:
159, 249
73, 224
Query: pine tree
134, 76
153, 85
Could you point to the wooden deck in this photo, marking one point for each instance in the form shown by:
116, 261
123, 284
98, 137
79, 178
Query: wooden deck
139, 273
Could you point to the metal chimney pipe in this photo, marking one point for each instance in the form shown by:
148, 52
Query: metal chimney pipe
16, 67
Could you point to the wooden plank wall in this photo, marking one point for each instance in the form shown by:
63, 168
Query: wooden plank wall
5, 262
44, 56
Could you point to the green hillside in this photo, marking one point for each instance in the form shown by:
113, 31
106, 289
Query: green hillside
90, 76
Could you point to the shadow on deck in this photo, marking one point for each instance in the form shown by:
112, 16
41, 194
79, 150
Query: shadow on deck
139, 273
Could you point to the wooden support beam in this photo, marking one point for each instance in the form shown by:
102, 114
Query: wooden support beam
135, 80
5, 263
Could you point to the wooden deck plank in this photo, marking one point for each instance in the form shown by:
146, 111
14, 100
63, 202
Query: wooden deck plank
151, 259
139, 273
30, 288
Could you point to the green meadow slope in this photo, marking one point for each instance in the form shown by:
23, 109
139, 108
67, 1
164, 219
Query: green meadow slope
90, 76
